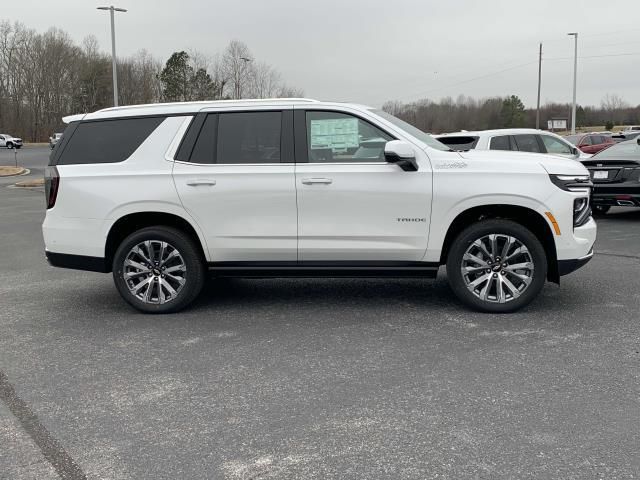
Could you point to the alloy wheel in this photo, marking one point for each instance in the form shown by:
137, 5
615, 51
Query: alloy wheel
154, 271
497, 268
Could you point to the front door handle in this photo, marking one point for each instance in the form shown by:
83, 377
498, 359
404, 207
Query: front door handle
311, 181
197, 183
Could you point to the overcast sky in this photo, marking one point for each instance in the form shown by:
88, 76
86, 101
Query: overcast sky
370, 51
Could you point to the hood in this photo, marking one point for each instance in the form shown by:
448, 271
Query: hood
550, 163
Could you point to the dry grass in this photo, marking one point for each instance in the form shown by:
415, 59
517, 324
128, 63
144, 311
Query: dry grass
9, 171
39, 182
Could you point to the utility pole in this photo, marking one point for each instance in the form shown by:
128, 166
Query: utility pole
539, 84
575, 78
112, 11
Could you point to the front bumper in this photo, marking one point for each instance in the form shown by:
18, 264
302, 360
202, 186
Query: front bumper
565, 267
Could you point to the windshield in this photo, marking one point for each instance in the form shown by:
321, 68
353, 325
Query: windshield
629, 150
411, 130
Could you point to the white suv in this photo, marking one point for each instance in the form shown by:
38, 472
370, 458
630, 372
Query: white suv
10, 141
514, 139
296, 187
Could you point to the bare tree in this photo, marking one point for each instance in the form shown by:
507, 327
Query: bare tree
235, 60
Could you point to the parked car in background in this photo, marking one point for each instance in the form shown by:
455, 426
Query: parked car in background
9, 141
591, 142
512, 139
625, 135
54, 139
632, 128
615, 173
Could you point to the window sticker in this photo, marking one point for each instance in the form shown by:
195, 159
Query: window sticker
338, 134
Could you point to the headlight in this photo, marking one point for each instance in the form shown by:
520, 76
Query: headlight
581, 211
572, 183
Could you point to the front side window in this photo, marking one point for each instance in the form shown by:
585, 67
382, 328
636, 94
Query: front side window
553, 145
339, 137
501, 142
239, 138
527, 143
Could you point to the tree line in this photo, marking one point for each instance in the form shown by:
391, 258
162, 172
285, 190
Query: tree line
467, 113
45, 76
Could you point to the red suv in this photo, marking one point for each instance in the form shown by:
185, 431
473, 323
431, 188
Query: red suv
591, 142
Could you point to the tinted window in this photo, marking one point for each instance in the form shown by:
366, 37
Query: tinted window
239, 138
586, 141
500, 143
459, 143
527, 143
553, 145
338, 137
251, 137
107, 141
204, 150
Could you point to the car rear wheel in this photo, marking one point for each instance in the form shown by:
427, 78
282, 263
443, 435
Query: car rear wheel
158, 270
496, 266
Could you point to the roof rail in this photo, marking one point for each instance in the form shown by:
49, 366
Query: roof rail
208, 102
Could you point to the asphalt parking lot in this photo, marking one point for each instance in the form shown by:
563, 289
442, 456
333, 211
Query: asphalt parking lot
318, 378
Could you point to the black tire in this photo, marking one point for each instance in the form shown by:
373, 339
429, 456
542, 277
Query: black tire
601, 209
503, 227
9, 145
194, 275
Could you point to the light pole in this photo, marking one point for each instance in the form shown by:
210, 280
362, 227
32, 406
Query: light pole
575, 78
246, 60
112, 10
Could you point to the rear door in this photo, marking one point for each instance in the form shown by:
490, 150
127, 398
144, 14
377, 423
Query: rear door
234, 173
353, 206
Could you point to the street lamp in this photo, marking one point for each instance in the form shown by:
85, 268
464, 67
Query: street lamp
575, 77
238, 86
112, 10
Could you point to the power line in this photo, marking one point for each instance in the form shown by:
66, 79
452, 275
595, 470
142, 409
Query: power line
470, 80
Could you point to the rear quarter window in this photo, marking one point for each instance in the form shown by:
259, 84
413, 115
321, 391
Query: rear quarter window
107, 141
460, 143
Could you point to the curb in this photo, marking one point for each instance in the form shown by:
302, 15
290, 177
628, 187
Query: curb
24, 171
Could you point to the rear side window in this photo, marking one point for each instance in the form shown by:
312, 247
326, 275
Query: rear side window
500, 143
460, 143
239, 138
107, 141
250, 137
527, 143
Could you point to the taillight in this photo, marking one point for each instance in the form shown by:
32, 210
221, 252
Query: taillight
51, 185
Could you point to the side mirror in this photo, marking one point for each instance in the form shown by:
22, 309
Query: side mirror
402, 154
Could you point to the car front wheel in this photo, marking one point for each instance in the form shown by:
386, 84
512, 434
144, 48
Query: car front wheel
158, 270
496, 266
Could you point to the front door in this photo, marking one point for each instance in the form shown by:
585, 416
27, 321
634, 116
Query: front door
352, 205
238, 185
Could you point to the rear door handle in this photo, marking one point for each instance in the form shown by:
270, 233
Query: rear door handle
311, 181
197, 183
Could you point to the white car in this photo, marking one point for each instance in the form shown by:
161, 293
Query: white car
297, 187
9, 141
513, 139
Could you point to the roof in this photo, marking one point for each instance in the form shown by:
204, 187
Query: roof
498, 131
177, 108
